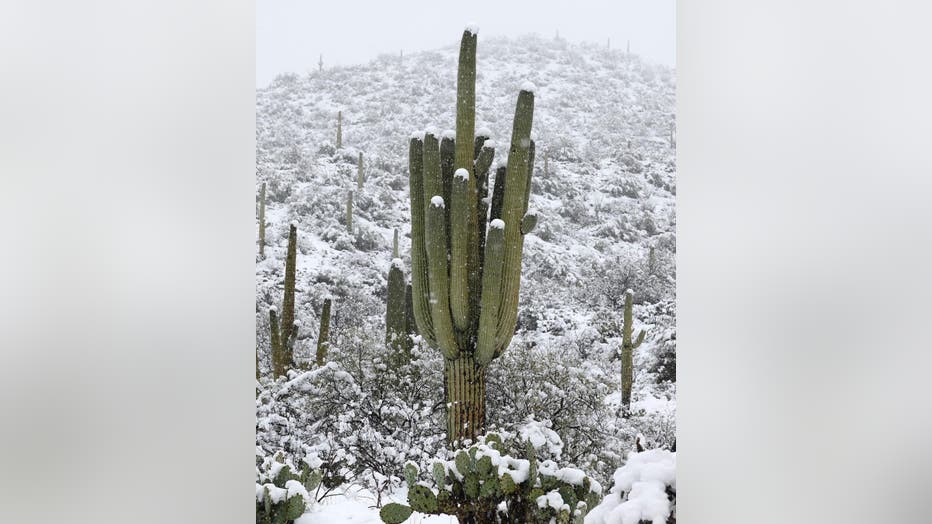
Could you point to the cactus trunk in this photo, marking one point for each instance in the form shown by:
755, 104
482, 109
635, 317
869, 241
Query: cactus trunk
323, 339
465, 388
349, 213
627, 352
465, 279
288, 326
359, 173
395, 310
262, 221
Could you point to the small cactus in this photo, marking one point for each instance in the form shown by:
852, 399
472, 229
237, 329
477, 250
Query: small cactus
323, 338
349, 213
395, 513
627, 352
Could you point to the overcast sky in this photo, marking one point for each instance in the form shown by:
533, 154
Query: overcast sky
291, 34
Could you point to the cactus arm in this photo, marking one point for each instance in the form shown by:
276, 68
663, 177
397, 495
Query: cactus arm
498, 193
447, 159
627, 327
323, 338
530, 173
465, 158
483, 163
466, 103
439, 278
513, 203
420, 288
639, 340
459, 227
491, 293
395, 245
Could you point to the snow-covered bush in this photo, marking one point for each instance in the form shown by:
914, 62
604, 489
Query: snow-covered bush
644, 490
487, 483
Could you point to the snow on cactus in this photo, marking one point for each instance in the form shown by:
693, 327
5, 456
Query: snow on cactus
644, 490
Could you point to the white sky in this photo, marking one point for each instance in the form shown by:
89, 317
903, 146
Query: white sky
291, 34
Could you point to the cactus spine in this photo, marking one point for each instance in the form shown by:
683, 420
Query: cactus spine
339, 129
627, 352
262, 221
359, 175
323, 339
349, 213
465, 280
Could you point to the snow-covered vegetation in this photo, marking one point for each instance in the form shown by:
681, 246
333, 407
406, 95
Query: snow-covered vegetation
603, 190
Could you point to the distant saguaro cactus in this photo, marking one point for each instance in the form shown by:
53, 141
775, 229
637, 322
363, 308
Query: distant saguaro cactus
320, 63
283, 337
465, 278
339, 129
627, 352
262, 221
323, 338
349, 213
359, 173
395, 245
395, 334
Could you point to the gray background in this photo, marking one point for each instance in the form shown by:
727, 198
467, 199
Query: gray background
127, 304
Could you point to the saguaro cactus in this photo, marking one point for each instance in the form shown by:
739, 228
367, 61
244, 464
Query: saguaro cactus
359, 173
339, 129
395, 334
349, 213
262, 221
284, 335
465, 278
627, 352
323, 339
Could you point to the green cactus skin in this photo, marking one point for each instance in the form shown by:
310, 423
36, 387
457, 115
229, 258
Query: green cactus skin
396, 319
339, 129
288, 327
410, 324
627, 352
262, 221
410, 474
360, 179
395, 513
349, 213
395, 245
465, 276
422, 499
323, 338
440, 473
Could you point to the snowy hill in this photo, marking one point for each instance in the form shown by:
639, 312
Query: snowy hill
604, 188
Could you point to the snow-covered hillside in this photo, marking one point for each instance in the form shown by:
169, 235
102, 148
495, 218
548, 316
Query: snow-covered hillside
604, 188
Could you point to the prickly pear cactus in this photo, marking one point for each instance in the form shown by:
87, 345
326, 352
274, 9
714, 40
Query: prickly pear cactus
484, 484
283, 490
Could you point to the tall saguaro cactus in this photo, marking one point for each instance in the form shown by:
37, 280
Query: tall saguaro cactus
262, 221
466, 275
627, 352
395, 334
339, 129
323, 338
284, 335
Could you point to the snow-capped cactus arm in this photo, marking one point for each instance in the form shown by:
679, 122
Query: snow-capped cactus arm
485, 152
530, 172
420, 289
459, 246
640, 339
513, 207
439, 279
491, 292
